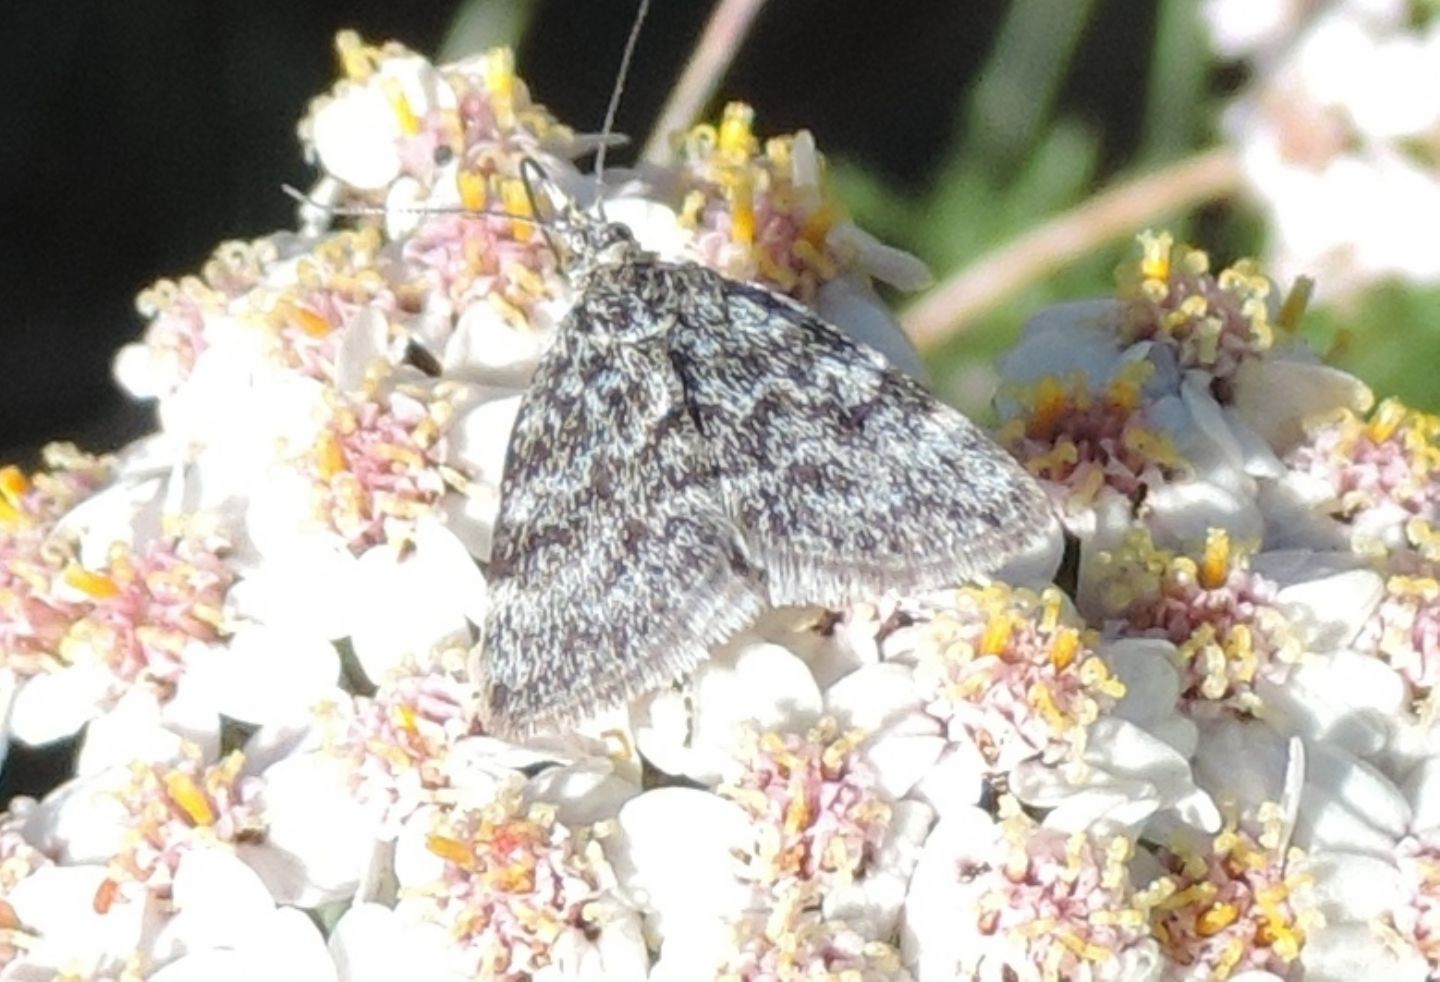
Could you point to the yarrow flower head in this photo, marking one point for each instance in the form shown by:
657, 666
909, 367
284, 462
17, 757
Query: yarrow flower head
1222, 616
817, 816
1084, 442
1405, 629
758, 213
1206, 321
1417, 918
380, 463
1234, 906
395, 114
1013, 672
850, 793
515, 885
172, 809
1011, 897
397, 743
765, 212
1380, 477
34, 614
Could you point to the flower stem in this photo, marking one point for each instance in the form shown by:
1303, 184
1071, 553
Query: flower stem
992, 279
708, 62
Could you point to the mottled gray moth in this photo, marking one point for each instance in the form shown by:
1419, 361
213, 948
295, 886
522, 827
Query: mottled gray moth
692, 450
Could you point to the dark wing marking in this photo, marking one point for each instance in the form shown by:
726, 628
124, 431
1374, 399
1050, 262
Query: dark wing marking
846, 477
614, 567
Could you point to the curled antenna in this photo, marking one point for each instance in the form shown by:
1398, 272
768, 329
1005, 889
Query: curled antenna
615, 94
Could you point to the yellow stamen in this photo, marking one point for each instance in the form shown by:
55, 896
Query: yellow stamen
328, 456
1215, 919
1155, 263
190, 798
736, 137
471, 185
997, 634
516, 201
355, 56
499, 72
400, 105
742, 210
1388, 418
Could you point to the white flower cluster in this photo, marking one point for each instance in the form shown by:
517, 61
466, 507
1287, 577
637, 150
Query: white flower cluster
1337, 131
1207, 757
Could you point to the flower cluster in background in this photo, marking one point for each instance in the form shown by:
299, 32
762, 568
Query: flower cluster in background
1206, 753
1336, 133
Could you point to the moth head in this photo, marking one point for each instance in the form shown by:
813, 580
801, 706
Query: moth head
581, 240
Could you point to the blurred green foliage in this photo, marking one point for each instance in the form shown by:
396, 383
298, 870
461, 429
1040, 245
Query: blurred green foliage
1017, 158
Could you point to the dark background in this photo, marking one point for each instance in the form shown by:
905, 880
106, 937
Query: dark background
136, 136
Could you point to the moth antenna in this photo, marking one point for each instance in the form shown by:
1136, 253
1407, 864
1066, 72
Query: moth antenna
362, 211
615, 94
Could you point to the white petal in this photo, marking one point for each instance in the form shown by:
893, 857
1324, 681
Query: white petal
583, 793
58, 904
372, 943
1347, 952
47, 708
220, 900
319, 839
355, 137
257, 657
135, 730
854, 307
675, 852
873, 695
406, 607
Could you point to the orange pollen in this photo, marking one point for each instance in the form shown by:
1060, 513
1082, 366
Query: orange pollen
742, 211
105, 895
307, 320
1052, 404
451, 850
190, 798
516, 201
797, 816
1064, 648
404, 718
471, 186
516, 877
818, 224
997, 634
329, 458
1215, 919
1215, 567
13, 483
95, 585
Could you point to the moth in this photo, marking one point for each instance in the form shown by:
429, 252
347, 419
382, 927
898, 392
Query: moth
693, 450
